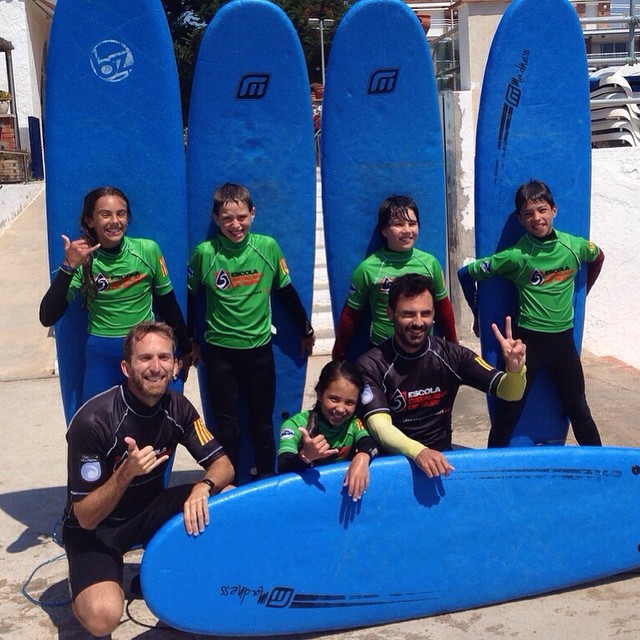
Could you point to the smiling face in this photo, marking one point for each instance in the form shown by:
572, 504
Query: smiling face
234, 220
412, 320
338, 401
536, 216
402, 231
109, 220
150, 368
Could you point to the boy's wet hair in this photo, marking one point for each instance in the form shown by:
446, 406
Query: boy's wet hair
396, 207
143, 329
335, 370
533, 191
231, 192
410, 285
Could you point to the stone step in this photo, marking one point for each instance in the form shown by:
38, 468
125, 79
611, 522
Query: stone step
321, 255
321, 286
323, 326
323, 347
320, 280
322, 312
321, 291
321, 317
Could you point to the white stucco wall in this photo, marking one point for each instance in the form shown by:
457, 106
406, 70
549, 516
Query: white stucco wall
613, 306
14, 198
27, 28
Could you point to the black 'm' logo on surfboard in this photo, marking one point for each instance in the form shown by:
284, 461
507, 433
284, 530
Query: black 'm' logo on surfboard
512, 97
383, 81
253, 86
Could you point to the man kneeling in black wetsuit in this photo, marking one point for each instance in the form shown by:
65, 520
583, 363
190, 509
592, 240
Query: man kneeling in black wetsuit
119, 445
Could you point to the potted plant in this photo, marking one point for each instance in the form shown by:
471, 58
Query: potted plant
5, 96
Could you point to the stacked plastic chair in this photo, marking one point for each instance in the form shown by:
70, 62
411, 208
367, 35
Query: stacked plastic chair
617, 124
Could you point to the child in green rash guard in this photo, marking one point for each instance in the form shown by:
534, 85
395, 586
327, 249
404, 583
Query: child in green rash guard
543, 266
238, 270
121, 279
330, 432
399, 225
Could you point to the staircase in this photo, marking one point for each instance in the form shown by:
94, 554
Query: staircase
321, 317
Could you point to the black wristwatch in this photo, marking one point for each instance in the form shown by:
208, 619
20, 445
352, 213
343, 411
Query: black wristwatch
210, 483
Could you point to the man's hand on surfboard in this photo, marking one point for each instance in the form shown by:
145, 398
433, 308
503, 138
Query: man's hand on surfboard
433, 463
513, 350
195, 512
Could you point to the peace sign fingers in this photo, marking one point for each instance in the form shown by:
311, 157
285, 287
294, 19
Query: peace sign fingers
507, 331
513, 350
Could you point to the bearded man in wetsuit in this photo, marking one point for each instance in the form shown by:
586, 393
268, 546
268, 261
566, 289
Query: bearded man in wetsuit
412, 378
119, 446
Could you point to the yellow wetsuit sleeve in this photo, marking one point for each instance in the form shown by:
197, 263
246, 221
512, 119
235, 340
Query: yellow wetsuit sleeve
512, 385
390, 437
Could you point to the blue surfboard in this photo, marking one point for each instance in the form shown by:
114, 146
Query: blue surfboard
533, 123
250, 122
112, 117
294, 554
381, 135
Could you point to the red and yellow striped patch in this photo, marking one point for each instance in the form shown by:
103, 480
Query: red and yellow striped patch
283, 266
163, 266
204, 435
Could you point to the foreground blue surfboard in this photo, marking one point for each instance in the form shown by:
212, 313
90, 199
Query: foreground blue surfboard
250, 122
294, 554
533, 123
381, 135
112, 117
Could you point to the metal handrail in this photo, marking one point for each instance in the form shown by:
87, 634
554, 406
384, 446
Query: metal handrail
631, 60
611, 19
614, 102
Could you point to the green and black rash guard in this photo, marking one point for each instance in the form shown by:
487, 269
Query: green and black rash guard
544, 272
126, 281
127, 278
349, 438
372, 278
132, 282
238, 279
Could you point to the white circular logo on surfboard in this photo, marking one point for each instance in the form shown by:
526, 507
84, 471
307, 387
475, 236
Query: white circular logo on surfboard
111, 60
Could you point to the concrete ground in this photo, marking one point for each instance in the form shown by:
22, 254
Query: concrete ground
33, 476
